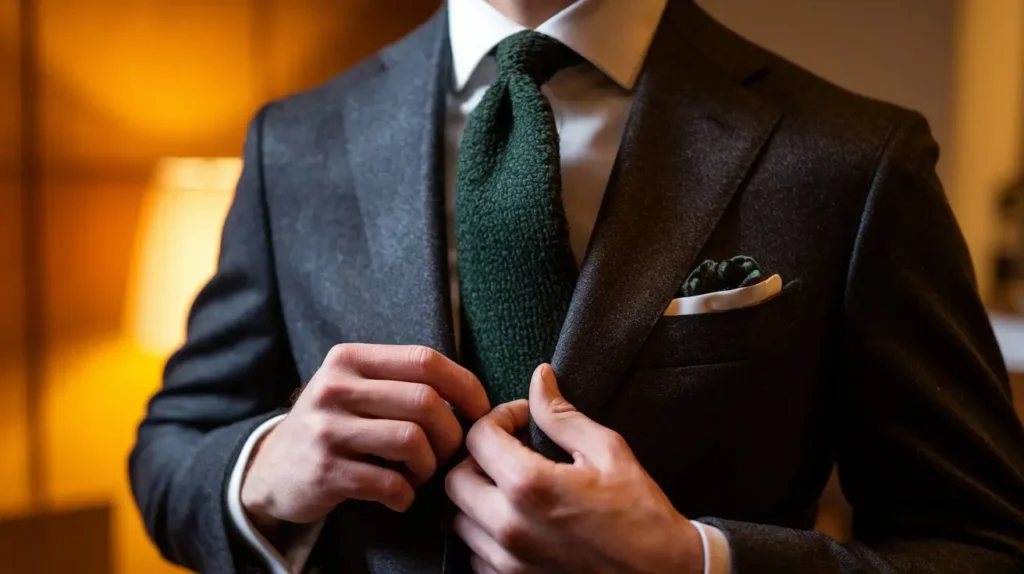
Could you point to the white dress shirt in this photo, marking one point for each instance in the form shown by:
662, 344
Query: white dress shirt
590, 102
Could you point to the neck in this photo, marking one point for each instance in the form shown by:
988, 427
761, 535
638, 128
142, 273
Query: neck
530, 13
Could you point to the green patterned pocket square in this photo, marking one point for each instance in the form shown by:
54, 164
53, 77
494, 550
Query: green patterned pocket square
713, 276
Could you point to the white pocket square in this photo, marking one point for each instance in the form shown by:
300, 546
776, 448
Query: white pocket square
730, 300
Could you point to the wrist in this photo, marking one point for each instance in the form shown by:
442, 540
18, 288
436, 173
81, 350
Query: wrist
689, 545
256, 507
256, 498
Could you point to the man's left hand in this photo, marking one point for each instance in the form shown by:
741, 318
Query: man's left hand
521, 512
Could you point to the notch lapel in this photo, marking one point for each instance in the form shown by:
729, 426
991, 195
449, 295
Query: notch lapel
394, 154
693, 135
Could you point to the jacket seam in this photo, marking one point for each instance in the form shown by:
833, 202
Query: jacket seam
872, 187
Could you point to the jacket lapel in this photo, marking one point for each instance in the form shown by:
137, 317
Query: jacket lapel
693, 135
394, 152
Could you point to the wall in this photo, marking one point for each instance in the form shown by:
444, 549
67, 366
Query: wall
13, 445
988, 145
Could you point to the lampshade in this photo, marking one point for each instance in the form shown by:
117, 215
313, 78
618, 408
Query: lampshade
176, 246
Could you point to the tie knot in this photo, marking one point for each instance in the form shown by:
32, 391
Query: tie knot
535, 55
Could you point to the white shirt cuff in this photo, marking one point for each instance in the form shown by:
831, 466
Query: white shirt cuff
294, 558
717, 557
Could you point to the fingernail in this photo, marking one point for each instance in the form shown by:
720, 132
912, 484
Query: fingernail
547, 376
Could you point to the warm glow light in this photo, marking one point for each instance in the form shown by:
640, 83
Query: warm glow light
176, 247
987, 146
160, 73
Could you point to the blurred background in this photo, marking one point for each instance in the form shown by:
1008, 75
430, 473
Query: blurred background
120, 126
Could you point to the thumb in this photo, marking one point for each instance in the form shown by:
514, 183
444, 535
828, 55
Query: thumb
570, 429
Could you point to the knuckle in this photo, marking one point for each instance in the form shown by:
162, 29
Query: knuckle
391, 486
318, 388
511, 535
562, 408
505, 413
424, 358
410, 436
321, 478
335, 389
320, 429
615, 444
486, 427
526, 488
341, 355
343, 389
424, 398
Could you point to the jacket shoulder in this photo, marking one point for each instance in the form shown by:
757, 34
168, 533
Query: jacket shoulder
311, 107
821, 113
838, 112
314, 106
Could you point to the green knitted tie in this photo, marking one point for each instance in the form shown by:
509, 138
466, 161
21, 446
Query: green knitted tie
516, 267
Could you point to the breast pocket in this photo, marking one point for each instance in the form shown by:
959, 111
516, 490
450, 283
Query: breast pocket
763, 330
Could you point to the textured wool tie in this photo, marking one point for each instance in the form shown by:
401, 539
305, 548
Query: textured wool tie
516, 267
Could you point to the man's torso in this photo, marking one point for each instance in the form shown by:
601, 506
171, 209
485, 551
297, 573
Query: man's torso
728, 151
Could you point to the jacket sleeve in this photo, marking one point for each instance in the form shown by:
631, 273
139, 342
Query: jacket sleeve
234, 371
929, 451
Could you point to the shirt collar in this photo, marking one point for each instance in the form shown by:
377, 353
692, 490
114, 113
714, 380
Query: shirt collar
613, 35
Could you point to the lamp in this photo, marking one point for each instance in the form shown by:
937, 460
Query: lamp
176, 246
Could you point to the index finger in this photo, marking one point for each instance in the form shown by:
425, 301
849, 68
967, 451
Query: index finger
499, 453
418, 364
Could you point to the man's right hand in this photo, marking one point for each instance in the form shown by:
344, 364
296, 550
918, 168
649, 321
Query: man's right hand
366, 403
